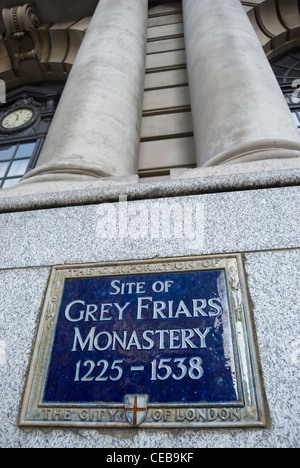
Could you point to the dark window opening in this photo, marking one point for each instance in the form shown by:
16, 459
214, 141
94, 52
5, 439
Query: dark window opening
24, 122
287, 71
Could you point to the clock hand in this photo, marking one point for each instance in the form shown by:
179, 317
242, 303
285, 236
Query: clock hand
14, 122
11, 123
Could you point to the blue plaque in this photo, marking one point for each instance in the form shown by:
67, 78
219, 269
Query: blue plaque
157, 343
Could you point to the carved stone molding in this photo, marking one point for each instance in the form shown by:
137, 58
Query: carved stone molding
50, 49
32, 51
20, 19
23, 39
276, 23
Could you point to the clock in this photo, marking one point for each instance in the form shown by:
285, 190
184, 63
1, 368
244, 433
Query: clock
18, 119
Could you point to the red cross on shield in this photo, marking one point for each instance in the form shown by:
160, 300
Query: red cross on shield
136, 408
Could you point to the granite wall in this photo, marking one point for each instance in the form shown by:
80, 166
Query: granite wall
260, 224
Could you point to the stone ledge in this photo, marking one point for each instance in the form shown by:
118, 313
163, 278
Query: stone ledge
266, 165
11, 202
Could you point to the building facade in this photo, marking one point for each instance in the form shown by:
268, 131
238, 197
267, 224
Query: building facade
119, 115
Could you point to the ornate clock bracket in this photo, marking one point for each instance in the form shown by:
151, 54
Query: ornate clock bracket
40, 101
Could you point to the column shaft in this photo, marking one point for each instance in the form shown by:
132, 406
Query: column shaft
239, 112
96, 128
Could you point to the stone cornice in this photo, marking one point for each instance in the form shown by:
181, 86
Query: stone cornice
51, 48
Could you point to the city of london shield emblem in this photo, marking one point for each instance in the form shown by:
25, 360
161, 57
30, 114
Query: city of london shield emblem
136, 408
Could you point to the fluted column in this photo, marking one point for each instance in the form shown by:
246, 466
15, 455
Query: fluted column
239, 112
96, 129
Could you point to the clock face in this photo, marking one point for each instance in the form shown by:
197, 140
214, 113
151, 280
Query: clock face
17, 118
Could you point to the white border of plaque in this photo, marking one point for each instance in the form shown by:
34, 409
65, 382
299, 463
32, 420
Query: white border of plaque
135, 410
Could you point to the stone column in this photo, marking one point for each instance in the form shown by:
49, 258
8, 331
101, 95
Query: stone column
239, 112
96, 129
